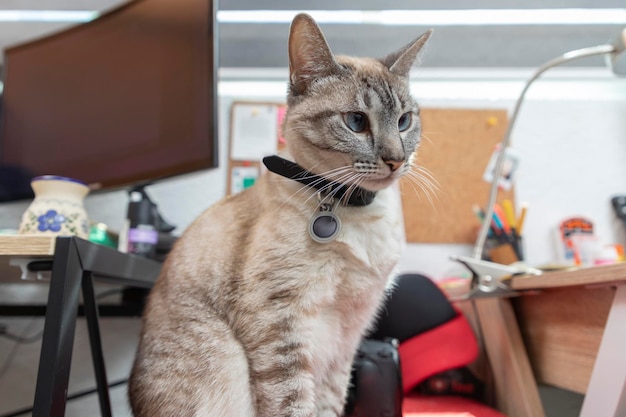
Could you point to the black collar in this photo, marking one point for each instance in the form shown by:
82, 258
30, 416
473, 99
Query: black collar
291, 170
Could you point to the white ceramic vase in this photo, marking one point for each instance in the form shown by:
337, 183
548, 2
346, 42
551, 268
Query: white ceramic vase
57, 208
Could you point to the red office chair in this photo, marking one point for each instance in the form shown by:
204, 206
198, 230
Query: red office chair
414, 364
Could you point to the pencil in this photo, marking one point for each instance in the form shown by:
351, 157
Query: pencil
522, 217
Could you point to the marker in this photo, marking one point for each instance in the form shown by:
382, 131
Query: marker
509, 212
499, 214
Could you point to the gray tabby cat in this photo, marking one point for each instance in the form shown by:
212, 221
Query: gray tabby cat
259, 309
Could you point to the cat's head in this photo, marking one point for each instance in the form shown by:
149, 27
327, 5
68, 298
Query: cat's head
350, 119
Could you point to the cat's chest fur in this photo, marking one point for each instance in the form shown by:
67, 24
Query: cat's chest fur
342, 282
365, 254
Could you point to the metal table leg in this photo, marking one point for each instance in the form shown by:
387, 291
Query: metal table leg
76, 263
91, 314
59, 328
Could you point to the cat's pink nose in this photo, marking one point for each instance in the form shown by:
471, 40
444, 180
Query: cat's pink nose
393, 165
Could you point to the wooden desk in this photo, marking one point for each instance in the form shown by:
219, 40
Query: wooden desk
568, 329
74, 264
575, 332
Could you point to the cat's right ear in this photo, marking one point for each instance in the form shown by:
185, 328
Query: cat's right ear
310, 56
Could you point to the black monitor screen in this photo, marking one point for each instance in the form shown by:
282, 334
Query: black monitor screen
126, 98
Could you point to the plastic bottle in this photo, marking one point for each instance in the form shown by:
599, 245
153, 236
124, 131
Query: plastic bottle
142, 236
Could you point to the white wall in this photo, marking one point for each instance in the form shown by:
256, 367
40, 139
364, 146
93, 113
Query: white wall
571, 134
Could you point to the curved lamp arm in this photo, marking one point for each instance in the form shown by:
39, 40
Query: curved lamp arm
608, 49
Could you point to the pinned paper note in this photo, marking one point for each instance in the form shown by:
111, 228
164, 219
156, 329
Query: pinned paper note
509, 167
254, 131
242, 178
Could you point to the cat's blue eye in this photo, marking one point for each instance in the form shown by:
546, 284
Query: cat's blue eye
404, 122
356, 121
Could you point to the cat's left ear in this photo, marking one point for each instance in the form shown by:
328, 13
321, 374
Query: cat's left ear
401, 61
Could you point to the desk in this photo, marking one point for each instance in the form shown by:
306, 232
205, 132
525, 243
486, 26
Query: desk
74, 264
573, 323
568, 329
593, 359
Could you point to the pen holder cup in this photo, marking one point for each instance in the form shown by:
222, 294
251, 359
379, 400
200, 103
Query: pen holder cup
504, 253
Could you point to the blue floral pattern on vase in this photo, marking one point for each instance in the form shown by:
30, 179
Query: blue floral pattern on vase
50, 221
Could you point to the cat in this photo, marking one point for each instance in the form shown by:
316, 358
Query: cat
263, 300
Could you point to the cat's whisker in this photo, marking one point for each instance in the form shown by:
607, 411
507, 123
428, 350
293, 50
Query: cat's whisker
328, 176
331, 184
322, 176
340, 178
335, 185
343, 168
428, 177
302, 190
416, 168
292, 129
405, 183
313, 196
421, 191
348, 178
325, 197
329, 173
334, 192
409, 183
425, 136
360, 178
424, 181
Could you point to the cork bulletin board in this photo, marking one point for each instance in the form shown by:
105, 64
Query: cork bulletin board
456, 149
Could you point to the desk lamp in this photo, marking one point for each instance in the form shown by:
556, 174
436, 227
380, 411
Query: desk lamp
612, 53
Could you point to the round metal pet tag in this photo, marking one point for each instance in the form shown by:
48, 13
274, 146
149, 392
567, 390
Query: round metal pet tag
324, 227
